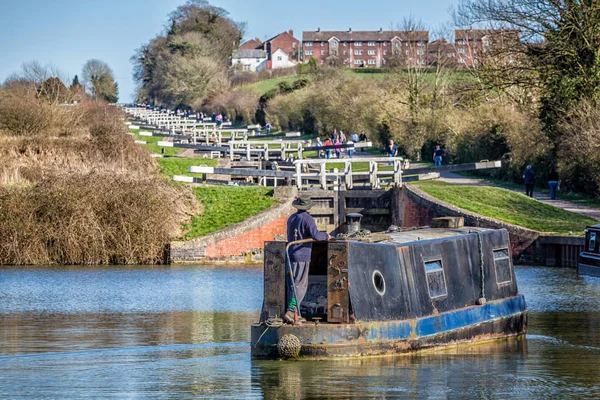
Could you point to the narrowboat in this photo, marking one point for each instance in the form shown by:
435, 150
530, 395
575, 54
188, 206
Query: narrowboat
588, 262
405, 291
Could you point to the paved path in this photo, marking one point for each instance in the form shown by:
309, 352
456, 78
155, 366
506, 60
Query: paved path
456, 179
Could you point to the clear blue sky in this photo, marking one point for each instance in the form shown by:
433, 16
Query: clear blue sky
66, 33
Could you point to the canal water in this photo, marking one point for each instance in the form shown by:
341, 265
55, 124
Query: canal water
171, 332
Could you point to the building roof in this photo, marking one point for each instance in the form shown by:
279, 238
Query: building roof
364, 36
246, 53
250, 44
478, 34
289, 33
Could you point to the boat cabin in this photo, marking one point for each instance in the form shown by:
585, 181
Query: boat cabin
589, 259
410, 274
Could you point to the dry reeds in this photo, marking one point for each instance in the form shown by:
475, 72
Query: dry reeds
89, 196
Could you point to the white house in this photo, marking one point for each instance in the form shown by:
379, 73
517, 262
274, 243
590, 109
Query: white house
280, 59
250, 60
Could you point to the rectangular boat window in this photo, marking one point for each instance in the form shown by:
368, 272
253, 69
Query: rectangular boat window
436, 280
502, 264
592, 245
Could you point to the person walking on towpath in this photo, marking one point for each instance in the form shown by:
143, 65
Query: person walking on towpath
529, 177
268, 128
437, 156
300, 225
391, 150
553, 184
319, 144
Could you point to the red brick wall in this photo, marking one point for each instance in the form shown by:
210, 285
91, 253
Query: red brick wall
285, 41
416, 215
247, 241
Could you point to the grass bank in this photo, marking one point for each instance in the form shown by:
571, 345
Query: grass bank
509, 206
225, 206
170, 166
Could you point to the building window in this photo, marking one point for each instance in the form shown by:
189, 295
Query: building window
383, 61
309, 44
420, 51
246, 68
436, 280
421, 44
371, 44
385, 52
334, 44
322, 52
344, 44
322, 62
294, 45
358, 52
592, 244
345, 52
358, 43
322, 44
358, 62
372, 52
462, 51
385, 43
308, 52
372, 62
502, 264
460, 41
279, 58
462, 60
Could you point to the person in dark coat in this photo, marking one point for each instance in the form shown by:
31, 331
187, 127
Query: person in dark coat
300, 225
553, 184
529, 177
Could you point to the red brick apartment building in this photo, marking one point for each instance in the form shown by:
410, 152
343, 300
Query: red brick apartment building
472, 44
365, 48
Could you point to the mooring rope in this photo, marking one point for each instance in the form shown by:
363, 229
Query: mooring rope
482, 299
271, 322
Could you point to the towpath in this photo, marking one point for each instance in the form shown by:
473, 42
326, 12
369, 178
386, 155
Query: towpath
544, 197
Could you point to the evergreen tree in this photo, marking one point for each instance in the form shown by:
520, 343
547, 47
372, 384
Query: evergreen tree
75, 82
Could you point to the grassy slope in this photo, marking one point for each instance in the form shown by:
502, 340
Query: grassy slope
170, 166
225, 206
572, 197
509, 206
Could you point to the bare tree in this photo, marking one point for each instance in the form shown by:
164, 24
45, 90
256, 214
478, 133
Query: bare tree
99, 80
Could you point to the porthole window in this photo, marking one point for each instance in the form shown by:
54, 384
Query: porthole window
436, 280
378, 282
502, 266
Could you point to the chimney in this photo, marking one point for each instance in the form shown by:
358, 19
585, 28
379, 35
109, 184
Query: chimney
318, 29
291, 32
350, 29
380, 30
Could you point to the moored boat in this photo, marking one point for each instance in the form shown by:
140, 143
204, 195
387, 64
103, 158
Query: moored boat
588, 262
405, 291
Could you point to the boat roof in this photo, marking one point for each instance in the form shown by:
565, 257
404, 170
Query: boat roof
432, 233
597, 226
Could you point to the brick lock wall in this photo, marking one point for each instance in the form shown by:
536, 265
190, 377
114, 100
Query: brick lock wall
248, 241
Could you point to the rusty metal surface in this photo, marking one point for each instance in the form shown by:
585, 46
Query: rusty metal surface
337, 282
431, 233
274, 280
495, 320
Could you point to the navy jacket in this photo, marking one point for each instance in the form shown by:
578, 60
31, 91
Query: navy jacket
529, 177
301, 225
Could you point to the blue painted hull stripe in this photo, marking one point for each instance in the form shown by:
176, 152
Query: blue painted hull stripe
447, 322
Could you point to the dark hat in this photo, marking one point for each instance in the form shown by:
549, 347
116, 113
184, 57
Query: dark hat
303, 203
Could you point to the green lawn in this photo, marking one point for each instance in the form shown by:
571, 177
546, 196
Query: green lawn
170, 166
264, 86
225, 206
575, 198
509, 206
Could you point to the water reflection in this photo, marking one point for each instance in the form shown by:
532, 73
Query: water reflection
184, 333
